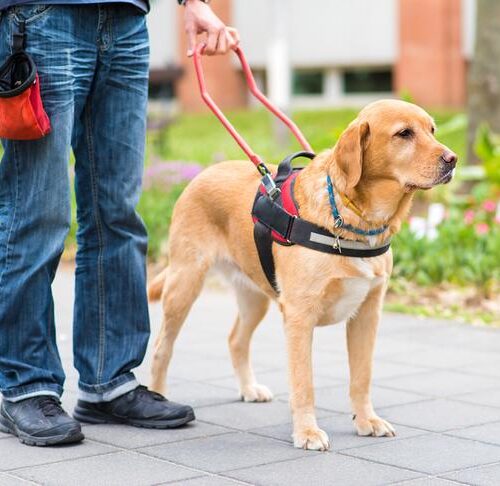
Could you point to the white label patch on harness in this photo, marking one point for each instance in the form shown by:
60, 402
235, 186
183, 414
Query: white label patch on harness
323, 240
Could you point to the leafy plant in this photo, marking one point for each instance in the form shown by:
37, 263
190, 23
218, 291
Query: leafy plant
487, 148
465, 252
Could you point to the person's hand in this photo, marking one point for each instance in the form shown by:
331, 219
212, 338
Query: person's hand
198, 19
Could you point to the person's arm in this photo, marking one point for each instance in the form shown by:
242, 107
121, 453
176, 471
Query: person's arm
199, 18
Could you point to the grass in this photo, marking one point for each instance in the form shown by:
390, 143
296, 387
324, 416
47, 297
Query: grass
201, 138
439, 312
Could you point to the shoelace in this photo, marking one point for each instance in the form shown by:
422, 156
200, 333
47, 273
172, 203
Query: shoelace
50, 406
144, 392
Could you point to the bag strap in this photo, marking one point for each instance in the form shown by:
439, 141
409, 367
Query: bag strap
19, 38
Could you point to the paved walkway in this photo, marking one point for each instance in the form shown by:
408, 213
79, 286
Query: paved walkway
437, 382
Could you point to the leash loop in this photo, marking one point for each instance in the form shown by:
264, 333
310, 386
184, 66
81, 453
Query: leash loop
267, 180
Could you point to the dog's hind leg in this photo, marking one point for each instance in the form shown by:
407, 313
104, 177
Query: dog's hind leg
252, 307
183, 283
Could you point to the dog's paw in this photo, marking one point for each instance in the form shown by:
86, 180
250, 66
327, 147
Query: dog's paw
256, 393
311, 439
374, 426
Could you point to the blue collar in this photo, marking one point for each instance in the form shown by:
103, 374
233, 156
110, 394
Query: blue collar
339, 221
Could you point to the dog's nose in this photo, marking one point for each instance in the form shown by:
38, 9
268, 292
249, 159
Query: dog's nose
449, 157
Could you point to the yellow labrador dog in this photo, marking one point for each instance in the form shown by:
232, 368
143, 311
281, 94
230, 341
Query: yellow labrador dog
383, 156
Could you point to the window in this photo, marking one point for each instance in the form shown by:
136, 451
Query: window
308, 82
162, 82
367, 81
161, 91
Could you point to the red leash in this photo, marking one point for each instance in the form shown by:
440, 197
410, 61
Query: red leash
252, 85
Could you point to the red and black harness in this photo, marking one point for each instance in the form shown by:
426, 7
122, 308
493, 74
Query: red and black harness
277, 220
275, 211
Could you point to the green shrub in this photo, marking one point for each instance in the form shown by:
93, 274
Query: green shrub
156, 207
466, 251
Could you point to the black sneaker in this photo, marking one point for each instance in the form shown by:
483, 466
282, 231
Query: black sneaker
139, 407
39, 421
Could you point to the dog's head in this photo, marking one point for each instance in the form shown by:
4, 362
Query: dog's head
392, 140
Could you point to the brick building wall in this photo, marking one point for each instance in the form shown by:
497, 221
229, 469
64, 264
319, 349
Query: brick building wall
429, 59
431, 64
224, 81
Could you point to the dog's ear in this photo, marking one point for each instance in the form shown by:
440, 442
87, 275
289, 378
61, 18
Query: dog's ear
349, 152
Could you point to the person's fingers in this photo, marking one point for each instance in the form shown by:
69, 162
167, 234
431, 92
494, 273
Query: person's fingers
234, 37
212, 39
222, 44
191, 38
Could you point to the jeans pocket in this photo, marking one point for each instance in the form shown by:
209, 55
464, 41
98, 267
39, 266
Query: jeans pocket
30, 13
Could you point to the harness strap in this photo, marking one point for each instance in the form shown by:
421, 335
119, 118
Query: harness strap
285, 168
301, 232
276, 220
264, 243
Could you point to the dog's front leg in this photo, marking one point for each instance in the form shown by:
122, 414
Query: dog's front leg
361, 335
299, 333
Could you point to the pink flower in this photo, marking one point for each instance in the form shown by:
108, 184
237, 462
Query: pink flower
482, 228
469, 216
489, 206
166, 174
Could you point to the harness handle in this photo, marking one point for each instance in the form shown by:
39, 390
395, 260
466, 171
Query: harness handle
252, 85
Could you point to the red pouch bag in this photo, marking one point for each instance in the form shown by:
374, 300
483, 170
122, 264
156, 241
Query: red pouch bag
22, 116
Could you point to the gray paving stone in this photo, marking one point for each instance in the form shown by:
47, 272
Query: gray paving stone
213, 480
408, 349
431, 454
438, 357
134, 437
478, 476
485, 433
388, 346
244, 416
490, 398
440, 415
14, 455
428, 481
327, 468
337, 366
276, 380
340, 430
489, 366
400, 325
113, 469
336, 398
11, 480
201, 394
459, 336
69, 400
386, 369
186, 368
331, 366
224, 453
439, 383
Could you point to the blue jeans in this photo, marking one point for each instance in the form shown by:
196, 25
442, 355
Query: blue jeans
93, 66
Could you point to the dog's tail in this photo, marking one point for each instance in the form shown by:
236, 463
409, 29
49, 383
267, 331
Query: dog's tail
155, 287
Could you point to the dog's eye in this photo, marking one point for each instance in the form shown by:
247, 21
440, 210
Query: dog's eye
406, 133
433, 130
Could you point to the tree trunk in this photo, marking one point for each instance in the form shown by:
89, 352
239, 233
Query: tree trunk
484, 75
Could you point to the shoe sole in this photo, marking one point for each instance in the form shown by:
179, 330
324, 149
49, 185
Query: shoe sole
95, 417
8, 427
